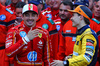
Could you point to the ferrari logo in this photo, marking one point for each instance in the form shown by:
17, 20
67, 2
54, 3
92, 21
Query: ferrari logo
40, 35
30, 6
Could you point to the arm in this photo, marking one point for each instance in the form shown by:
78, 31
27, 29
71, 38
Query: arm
86, 55
13, 47
47, 58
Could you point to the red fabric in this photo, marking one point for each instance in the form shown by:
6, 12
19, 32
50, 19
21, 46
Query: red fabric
97, 29
6, 22
51, 28
16, 48
11, 7
54, 13
66, 43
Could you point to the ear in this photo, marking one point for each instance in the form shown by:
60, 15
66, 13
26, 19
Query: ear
81, 17
22, 16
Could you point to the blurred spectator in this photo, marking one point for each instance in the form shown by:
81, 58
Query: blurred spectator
8, 2
96, 18
67, 38
52, 11
91, 3
96, 11
81, 2
18, 12
46, 4
3, 2
7, 19
13, 5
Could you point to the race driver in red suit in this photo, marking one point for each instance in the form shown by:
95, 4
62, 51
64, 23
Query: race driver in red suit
28, 43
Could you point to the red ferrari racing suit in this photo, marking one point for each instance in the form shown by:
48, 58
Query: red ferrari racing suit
34, 53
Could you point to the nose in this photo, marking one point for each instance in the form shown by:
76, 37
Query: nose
30, 17
20, 14
62, 12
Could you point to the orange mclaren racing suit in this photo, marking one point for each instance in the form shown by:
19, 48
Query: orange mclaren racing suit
7, 19
34, 53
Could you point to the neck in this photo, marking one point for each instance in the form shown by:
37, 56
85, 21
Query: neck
82, 23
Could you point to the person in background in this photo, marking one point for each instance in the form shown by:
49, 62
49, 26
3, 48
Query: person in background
52, 11
91, 3
7, 19
13, 5
47, 24
86, 45
67, 37
47, 4
3, 2
96, 18
28, 43
18, 12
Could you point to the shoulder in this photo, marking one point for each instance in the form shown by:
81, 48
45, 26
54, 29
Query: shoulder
16, 28
47, 10
44, 30
95, 21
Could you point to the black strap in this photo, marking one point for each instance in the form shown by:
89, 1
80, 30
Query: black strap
3, 47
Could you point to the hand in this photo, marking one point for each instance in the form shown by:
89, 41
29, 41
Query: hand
67, 57
33, 33
16, 23
57, 63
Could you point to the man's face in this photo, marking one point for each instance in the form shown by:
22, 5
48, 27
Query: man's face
15, 1
75, 19
18, 12
97, 9
40, 7
3, 2
90, 4
63, 13
55, 4
30, 18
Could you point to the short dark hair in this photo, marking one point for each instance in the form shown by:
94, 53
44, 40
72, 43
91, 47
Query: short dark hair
67, 3
85, 19
20, 4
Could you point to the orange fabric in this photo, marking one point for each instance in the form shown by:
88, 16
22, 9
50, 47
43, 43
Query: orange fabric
66, 44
